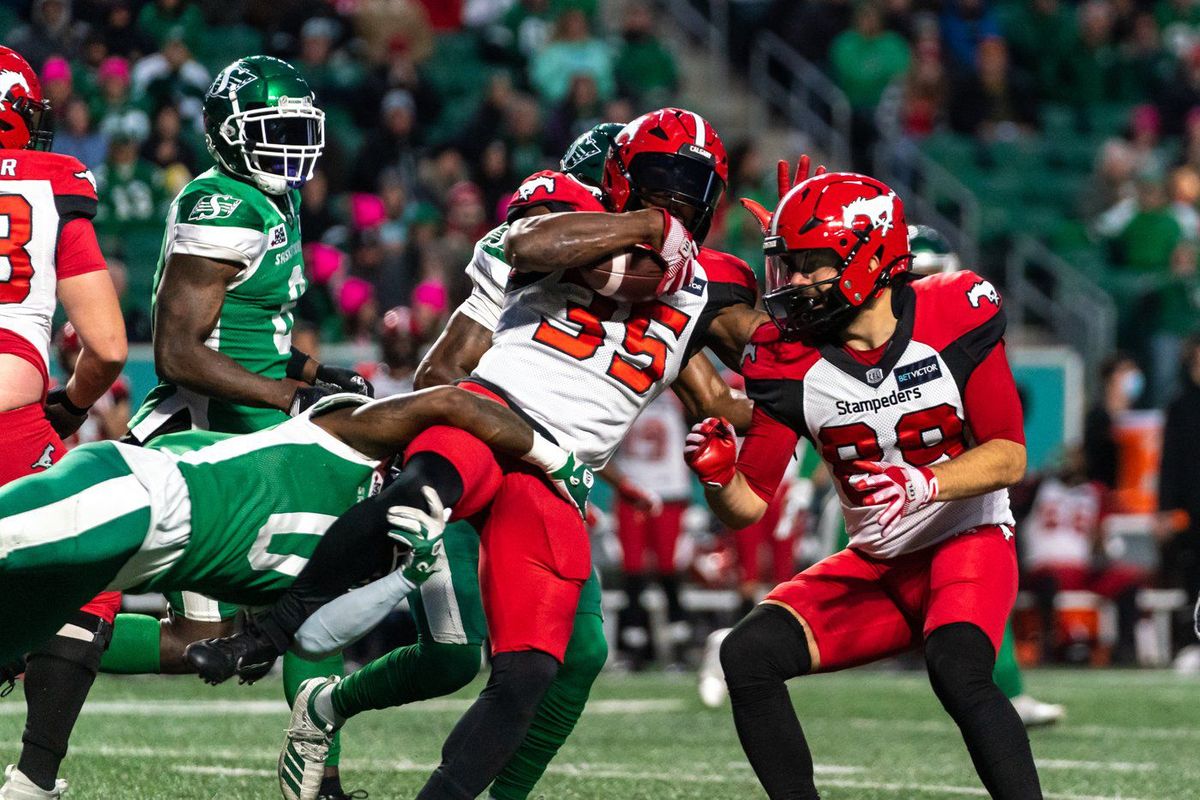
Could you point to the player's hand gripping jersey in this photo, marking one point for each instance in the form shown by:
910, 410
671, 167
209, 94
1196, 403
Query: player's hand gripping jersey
46, 200
942, 386
584, 366
225, 219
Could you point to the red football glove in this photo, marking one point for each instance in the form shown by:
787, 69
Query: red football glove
901, 489
784, 183
711, 451
644, 500
678, 252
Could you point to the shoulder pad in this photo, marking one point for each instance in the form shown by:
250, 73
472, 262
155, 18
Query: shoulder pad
67, 175
768, 356
556, 190
725, 268
950, 305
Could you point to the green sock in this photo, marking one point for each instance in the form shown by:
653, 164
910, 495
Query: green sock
558, 712
134, 646
1007, 673
296, 671
407, 674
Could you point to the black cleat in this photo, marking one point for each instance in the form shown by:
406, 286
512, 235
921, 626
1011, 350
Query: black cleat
249, 654
358, 794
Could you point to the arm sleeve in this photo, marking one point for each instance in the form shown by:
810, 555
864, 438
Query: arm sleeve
768, 447
348, 618
78, 250
990, 400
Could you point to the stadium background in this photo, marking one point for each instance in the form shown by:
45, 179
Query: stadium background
1057, 146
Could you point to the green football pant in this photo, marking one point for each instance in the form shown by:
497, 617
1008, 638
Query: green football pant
451, 629
65, 534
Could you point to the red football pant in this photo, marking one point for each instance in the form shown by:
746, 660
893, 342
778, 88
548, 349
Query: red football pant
534, 551
638, 531
751, 540
27, 445
857, 609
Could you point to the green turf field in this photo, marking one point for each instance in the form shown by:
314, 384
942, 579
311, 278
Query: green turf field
1130, 735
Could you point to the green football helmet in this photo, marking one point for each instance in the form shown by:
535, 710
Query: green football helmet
584, 159
931, 251
262, 125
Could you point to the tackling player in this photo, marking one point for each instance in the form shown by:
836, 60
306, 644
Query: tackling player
903, 386
48, 248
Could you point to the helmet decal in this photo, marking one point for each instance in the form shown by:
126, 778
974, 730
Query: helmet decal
9, 79
878, 211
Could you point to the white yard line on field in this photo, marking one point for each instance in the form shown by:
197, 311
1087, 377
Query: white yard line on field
224, 772
1064, 729
971, 791
1111, 766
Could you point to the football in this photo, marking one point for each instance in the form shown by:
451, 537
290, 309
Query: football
632, 276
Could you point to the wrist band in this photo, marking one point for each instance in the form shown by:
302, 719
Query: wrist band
59, 398
295, 365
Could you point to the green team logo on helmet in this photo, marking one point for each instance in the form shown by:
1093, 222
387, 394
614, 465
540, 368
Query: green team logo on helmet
931, 251
261, 124
584, 159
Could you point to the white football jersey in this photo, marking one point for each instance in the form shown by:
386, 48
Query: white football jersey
906, 409
39, 193
488, 272
652, 454
1061, 526
583, 366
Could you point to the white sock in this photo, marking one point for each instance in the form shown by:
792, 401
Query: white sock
323, 704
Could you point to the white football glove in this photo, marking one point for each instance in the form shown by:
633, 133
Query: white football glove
900, 489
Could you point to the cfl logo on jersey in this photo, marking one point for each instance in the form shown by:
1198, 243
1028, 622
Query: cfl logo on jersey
529, 187
983, 290
277, 237
874, 376
918, 372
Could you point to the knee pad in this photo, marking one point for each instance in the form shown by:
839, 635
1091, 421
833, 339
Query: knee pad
82, 641
960, 659
587, 651
768, 645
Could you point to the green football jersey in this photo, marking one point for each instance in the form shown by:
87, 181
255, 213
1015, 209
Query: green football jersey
259, 504
220, 217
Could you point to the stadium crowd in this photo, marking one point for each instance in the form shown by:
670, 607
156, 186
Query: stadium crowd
436, 110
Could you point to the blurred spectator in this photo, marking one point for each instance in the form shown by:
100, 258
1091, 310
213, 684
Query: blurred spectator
580, 111
57, 81
1145, 135
77, 137
1121, 386
1040, 33
1064, 552
390, 26
573, 50
430, 298
132, 191
358, 309
866, 58
1147, 66
166, 146
1091, 62
522, 31
173, 77
51, 31
1179, 481
113, 106
748, 177
122, 35
966, 24
398, 349
489, 117
496, 179
1183, 190
1182, 93
159, 19
1180, 24
1112, 182
645, 68
653, 488
334, 78
522, 132
391, 145
915, 106
316, 216
810, 27
1170, 313
1143, 236
996, 103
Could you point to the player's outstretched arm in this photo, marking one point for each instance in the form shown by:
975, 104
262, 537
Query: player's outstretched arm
705, 394
993, 465
554, 242
189, 302
454, 354
93, 309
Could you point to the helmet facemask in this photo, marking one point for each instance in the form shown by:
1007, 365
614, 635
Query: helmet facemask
686, 187
279, 144
816, 309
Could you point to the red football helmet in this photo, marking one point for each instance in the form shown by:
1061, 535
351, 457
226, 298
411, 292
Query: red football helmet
841, 220
672, 159
24, 112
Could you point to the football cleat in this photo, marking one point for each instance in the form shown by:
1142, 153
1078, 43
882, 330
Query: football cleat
1035, 714
713, 690
249, 654
302, 761
18, 787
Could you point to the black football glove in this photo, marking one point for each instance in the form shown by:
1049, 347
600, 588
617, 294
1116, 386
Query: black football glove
64, 416
345, 379
306, 396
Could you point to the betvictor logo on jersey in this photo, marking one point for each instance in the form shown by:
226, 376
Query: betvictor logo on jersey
918, 372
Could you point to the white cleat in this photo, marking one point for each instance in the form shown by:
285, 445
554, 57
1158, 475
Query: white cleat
713, 690
1034, 713
302, 762
18, 787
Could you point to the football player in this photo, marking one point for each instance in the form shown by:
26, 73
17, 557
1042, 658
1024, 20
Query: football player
48, 249
582, 366
229, 274
193, 511
903, 386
